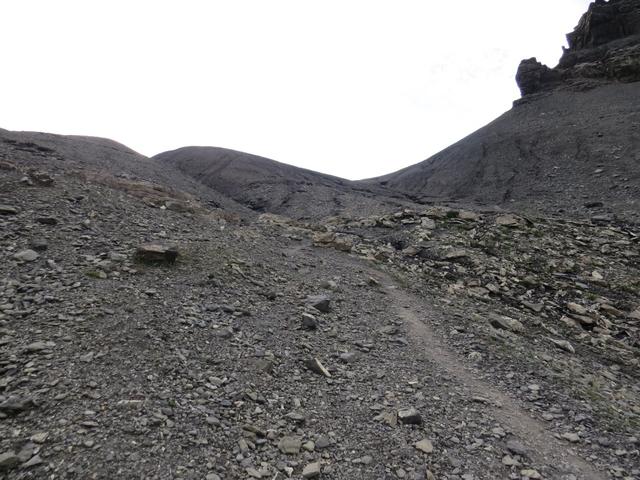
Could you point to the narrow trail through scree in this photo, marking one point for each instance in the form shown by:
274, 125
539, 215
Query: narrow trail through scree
545, 448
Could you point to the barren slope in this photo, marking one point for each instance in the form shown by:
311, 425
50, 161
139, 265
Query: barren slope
464, 351
561, 151
111, 163
265, 185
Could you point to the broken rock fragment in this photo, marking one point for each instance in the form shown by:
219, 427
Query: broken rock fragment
425, 446
322, 303
8, 210
156, 253
409, 416
506, 323
8, 460
312, 470
290, 445
315, 366
26, 256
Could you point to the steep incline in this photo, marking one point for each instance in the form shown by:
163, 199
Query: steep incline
571, 143
562, 151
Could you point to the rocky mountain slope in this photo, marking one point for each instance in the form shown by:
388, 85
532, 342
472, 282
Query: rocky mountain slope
110, 163
265, 185
211, 315
571, 144
423, 344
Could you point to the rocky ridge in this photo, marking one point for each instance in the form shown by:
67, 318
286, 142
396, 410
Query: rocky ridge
604, 47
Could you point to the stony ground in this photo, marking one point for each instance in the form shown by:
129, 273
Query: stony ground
431, 344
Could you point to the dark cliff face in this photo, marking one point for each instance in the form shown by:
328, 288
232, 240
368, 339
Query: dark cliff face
603, 48
605, 22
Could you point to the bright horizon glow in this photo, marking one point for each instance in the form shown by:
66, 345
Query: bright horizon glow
356, 88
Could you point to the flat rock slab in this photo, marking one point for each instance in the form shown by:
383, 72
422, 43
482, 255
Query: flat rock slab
8, 210
424, 446
290, 445
312, 470
26, 255
155, 253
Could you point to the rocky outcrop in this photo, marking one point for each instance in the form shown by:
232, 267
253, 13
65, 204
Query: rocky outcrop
533, 75
605, 22
603, 48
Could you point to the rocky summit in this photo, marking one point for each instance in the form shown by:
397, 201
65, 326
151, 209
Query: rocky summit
211, 315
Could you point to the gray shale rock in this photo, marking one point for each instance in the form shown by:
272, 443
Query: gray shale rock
8, 460
8, 210
322, 303
156, 253
26, 256
409, 416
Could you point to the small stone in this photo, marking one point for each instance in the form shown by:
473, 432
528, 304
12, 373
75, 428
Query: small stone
26, 256
8, 210
514, 446
315, 366
348, 357
212, 476
39, 244
40, 178
39, 437
576, 308
366, 460
154, 253
8, 460
425, 446
309, 446
508, 221
312, 470
35, 460
535, 307
571, 437
506, 323
264, 365
530, 473
47, 220
322, 303
16, 405
290, 445
509, 461
252, 472
564, 345
409, 416
224, 333
36, 347
309, 322
323, 442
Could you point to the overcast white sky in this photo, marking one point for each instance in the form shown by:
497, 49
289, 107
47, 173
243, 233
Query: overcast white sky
354, 88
